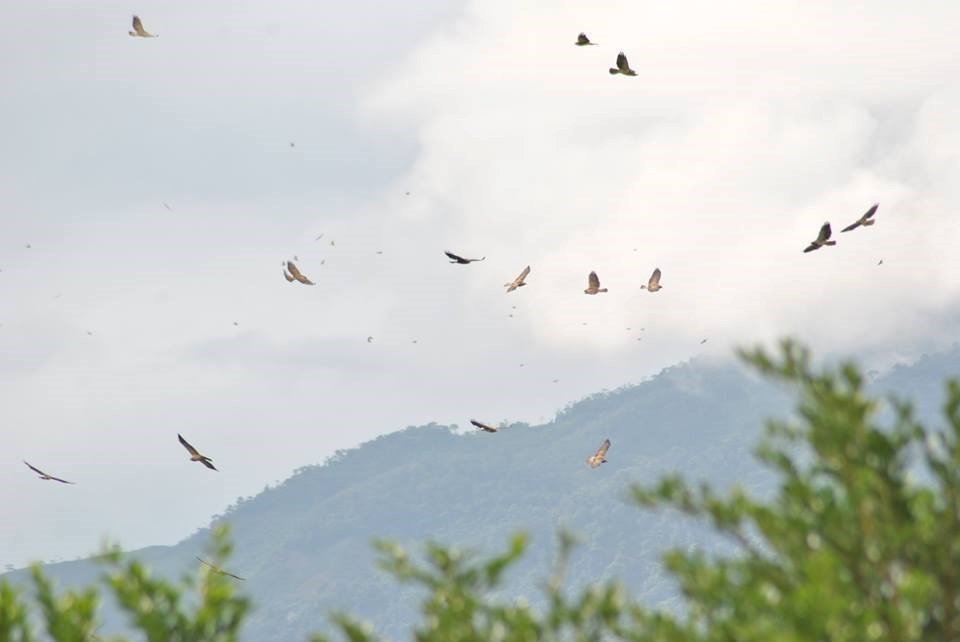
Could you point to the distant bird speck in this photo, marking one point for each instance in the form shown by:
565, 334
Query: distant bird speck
583, 41
623, 67
865, 220
703, 341
880, 262
653, 284
822, 239
292, 145
459, 259
519, 281
168, 207
318, 238
45, 476
369, 339
195, 455
139, 31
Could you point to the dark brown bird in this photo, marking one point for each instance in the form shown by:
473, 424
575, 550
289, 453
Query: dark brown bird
593, 284
219, 570
866, 220
297, 274
45, 476
600, 457
195, 455
623, 67
483, 426
653, 284
459, 259
139, 31
582, 40
822, 239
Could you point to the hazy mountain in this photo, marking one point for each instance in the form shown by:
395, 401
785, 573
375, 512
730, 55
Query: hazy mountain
305, 545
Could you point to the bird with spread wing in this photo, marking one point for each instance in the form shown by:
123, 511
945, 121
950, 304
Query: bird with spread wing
823, 238
599, 457
294, 273
653, 284
459, 259
195, 455
217, 569
593, 284
583, 41
866, 220
483, 426
45, 476
139, 31
519, 281
623, 67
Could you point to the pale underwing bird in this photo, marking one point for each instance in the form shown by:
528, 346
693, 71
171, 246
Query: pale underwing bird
519, 281
593, 284
822, 239
138, 29
600, 457
582, 40
297, 274
654, 283
866, 219
195, 455
44, 475
459, 259
623, 67
219, 570
483, 426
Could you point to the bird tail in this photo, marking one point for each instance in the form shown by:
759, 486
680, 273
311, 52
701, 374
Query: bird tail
614, 71
132, 33
831, 243
643, 287
602, 290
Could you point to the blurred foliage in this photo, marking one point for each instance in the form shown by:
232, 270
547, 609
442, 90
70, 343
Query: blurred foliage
861, 541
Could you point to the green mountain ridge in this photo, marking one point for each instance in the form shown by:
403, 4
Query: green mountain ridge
304, 545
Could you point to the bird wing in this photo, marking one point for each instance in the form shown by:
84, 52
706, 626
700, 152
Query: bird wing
811, 248
453, 257
593, 281
523, 275
654, 279
604, 447
208, 463
870, 212
853, 225
622, 63
824, 233
34, 468
236, 577
62, 481
287, 276
582, 39
137, 25
193, 451
297, 274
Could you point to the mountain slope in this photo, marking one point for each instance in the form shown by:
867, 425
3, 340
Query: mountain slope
305, 545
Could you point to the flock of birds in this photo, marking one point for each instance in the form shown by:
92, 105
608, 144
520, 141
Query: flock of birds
292, 273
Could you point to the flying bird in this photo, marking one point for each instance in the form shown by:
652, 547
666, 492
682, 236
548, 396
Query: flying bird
593, 284
582, 40
167, 205
600, 457
219, 570
654, 283
880, 262
297, 274
45, 476
483, 426
518, 282
865, 220
822, 239
459, 259
138, 29
369, 339
196, 456
623, 67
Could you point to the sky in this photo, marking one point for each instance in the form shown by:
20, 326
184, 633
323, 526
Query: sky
149, 194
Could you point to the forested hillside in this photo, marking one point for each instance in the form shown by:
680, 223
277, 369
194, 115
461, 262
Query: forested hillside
304, 546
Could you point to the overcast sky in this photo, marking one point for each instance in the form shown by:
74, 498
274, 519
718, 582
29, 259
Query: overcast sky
125, 322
